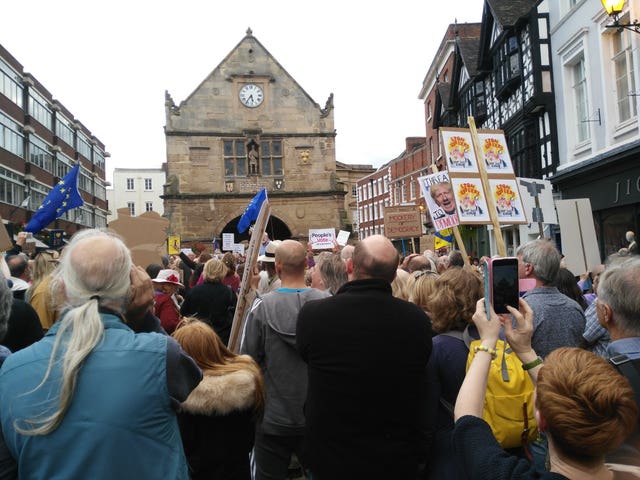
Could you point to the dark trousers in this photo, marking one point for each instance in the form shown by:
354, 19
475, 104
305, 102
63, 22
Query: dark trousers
272, 455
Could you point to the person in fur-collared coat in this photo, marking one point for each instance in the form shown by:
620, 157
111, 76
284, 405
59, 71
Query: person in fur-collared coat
217, 421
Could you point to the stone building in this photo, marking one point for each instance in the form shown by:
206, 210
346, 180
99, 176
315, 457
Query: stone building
249, 125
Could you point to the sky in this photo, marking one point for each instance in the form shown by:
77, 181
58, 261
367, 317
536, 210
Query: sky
110, 63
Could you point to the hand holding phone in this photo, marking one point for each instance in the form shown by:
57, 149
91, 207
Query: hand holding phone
501, 286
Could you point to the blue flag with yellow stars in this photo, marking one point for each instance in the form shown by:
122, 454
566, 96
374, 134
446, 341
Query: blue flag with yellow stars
252, 211
63, 197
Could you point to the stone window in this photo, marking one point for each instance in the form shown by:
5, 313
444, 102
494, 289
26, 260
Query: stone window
235, 158
271, 157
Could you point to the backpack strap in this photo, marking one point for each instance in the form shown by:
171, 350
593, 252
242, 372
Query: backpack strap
465, 336
631, 370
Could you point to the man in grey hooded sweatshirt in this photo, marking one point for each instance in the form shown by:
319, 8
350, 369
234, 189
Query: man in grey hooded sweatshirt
270, 338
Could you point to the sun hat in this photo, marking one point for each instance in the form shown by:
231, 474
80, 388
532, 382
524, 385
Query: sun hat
168, 276
269, 252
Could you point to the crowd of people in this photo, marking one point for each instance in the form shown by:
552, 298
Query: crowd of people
353, 363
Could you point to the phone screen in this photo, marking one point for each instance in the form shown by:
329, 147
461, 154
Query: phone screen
487, 287
505, 284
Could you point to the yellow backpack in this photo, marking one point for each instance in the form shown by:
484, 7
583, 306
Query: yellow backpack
508, 404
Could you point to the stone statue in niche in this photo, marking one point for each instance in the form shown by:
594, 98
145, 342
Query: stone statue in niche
253, 160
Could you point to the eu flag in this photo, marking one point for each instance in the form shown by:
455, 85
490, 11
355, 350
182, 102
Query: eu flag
252, 211
63, 197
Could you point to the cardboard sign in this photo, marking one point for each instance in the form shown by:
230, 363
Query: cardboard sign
471, 201
5, 240
579, 241
508, 201
343, 237
228, 241
322, 238
458, 150
173, 245
495, 153
438, 194
238, 248
402, 222
55, 238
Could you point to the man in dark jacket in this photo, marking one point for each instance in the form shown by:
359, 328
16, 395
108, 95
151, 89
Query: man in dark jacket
367, 354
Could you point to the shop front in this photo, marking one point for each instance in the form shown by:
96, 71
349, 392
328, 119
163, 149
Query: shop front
612, 183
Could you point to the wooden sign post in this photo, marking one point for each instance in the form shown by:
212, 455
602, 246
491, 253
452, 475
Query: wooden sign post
245, 286
502, 250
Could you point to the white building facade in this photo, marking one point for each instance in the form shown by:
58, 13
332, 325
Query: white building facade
138, 190
597, 88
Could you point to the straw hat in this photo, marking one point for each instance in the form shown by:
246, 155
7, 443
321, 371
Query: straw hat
269, 252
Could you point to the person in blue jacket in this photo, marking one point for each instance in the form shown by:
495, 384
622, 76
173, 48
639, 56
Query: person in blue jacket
93, 399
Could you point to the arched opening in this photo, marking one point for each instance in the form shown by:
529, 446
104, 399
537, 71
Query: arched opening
276, 229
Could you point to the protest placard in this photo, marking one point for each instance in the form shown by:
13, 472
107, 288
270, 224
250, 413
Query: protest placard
322, 238
402, 222
173, 245
343, 237
438, 194
227, 242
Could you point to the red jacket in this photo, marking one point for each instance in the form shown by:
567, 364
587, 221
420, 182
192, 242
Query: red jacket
167, 311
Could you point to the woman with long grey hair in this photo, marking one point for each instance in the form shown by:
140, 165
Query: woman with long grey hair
91, 387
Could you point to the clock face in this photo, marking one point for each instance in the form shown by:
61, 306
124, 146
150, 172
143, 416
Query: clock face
251, 95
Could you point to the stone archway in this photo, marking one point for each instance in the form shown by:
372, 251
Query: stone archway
276, 229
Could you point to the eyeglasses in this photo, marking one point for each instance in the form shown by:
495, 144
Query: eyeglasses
420, 273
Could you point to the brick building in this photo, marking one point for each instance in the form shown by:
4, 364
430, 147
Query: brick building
40, 141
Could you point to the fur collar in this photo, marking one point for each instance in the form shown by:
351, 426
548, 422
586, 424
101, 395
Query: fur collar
221, 394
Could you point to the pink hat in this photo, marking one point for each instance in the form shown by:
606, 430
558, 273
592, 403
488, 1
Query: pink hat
168, 276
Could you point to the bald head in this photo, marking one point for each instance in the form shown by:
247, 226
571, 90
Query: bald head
347, 252
95, 263
291, 258
375, 257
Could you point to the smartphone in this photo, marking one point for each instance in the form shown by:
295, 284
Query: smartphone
501, 285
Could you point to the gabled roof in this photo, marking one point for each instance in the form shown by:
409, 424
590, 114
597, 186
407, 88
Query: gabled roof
254, 42
444, 91
469, 49
508, 12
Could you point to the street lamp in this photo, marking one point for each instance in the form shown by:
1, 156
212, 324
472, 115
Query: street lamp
614, 9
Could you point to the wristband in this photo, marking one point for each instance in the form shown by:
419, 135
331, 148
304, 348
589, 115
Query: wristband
482, 348
532, 364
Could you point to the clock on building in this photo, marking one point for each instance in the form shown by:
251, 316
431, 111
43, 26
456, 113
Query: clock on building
251, 95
